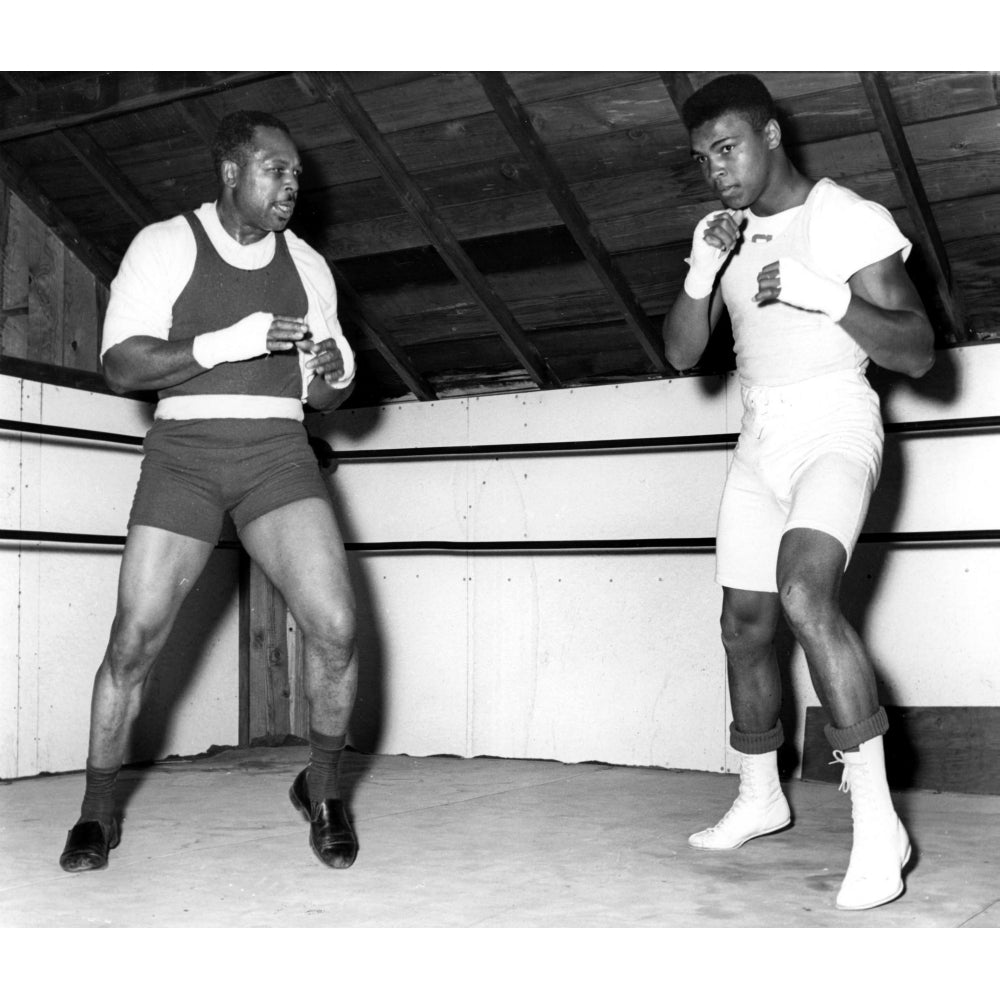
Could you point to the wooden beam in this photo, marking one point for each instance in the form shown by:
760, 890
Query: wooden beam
107, 95
338, 94
100, 167
199, 119
921, 215
102, 264
268, 692
518, 124
97, 164
391, 352
679, 87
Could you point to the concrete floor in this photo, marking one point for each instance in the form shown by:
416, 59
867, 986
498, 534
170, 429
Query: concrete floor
448, 843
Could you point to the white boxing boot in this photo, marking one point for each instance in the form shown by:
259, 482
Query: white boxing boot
881, 847
760, 807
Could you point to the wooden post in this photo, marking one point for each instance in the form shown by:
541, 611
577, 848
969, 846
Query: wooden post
268, 693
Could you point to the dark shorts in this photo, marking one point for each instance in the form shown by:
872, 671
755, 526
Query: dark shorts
195, 471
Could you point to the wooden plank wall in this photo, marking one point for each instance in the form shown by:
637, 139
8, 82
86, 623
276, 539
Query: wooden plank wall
51, 305
950, 749
272, 690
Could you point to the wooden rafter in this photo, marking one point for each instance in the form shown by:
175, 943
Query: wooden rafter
679, 87
397, 359
335, 90
106, 95
518, 124
908, 177
199, 118
97, 163
100, 167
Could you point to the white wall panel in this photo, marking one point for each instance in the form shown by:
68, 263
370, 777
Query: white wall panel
602, 496
616, 658
401, 501
600, 655
413, 645
57, 601
567, 656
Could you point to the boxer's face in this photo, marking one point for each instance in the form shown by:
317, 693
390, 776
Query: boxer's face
735, 158
265, 188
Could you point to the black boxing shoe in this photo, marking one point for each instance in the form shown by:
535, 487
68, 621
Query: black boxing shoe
88, 844
330, 835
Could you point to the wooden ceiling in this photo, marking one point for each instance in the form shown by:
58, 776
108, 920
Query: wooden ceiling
498, 231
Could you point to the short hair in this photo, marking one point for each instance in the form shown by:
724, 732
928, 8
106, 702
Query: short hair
739, 93
234, 136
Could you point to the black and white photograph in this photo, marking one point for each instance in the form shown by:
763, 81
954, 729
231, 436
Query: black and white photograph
501, 499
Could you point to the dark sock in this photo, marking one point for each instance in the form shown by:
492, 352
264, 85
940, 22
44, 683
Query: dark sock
850, 738
323, 774
99, 795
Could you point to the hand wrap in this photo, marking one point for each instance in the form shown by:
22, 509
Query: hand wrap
798, 286
239, 342
706, 261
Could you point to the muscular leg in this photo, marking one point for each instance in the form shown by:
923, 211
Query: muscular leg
158, 570
810, 568
299, 549
749, 620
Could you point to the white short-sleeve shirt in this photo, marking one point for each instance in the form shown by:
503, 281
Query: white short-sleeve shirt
835, 233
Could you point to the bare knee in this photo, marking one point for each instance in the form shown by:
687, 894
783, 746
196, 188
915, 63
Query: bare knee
332, 636
808, 607
746, 627
133, 647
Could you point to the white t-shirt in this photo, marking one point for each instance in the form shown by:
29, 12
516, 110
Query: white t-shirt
835, 233
160, 261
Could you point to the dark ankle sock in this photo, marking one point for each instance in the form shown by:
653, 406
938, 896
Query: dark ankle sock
323, 775
99, 794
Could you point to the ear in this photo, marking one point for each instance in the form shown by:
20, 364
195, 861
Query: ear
772, 133
230, 173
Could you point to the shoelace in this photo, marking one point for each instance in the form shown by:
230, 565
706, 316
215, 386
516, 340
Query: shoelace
860, 790
838, 758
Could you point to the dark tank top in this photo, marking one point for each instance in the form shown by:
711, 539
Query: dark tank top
218, 295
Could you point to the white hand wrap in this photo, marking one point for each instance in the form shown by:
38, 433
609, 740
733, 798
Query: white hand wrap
705, 261
239, 342
807, 290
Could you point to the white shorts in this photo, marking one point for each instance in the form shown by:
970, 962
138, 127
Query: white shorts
808, 456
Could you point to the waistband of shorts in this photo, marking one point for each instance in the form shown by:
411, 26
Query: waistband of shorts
810, 388
240, 407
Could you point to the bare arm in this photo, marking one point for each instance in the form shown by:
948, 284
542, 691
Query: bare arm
146, 363
887, 318
695, 312
878, 307
140, 363
687, 327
